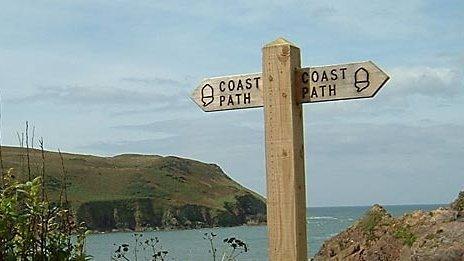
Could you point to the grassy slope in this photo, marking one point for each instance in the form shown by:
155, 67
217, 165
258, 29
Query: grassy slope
171, 181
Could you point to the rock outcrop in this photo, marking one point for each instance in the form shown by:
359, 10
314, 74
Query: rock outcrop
143, 214
417, 236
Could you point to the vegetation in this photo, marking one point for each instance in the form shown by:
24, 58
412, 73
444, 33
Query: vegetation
32, 228
148, 245
371, 219
405, 234
234, 247
153, 251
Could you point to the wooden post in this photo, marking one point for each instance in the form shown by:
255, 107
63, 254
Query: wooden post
283, 115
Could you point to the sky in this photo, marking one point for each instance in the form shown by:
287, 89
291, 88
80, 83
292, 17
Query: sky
111, 77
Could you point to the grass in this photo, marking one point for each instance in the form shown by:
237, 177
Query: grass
166, 180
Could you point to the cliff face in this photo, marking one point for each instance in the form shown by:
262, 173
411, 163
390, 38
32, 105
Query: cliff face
142, 191
434, 235
143, 213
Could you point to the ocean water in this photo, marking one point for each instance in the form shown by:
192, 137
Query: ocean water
183, 245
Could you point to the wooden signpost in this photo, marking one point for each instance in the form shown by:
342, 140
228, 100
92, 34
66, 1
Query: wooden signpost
281, 89
313, 84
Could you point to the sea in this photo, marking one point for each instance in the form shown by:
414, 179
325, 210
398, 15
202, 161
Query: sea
193, 245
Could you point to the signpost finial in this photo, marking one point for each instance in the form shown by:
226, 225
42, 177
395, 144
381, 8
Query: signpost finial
279, 41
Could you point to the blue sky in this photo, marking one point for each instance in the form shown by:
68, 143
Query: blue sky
110, 77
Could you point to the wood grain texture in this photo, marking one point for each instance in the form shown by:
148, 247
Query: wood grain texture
286, 203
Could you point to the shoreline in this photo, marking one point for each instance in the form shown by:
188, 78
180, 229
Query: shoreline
115, 231
257, 224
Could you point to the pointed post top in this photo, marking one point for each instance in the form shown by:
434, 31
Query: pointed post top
279, 41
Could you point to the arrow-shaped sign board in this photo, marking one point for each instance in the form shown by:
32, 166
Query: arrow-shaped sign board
340, 82
229, 92
317, 84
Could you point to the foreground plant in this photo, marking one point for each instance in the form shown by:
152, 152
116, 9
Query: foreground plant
234, 247
232, 250
32, 228
148, 245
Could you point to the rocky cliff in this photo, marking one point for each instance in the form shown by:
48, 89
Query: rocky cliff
144, 213
434, 235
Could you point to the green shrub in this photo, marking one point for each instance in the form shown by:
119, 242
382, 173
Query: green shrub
32, 228
405, 235
370, 221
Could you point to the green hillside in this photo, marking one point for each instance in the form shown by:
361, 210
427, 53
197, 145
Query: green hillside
142, 191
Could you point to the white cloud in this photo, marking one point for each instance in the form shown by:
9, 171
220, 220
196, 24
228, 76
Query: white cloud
427, 81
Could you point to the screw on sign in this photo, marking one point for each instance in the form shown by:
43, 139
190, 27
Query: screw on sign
281, 89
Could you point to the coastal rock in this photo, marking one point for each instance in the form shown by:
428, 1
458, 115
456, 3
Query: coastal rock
434, 235
458, 204
443, 215
142, 214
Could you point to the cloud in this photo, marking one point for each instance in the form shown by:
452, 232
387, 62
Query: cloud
395, 139
427, 81
151, 93
385, 163
205, 131
154, 81
365, 18
90, 95
210, 137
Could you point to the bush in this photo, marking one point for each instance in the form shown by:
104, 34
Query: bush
405, 235
32, 228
